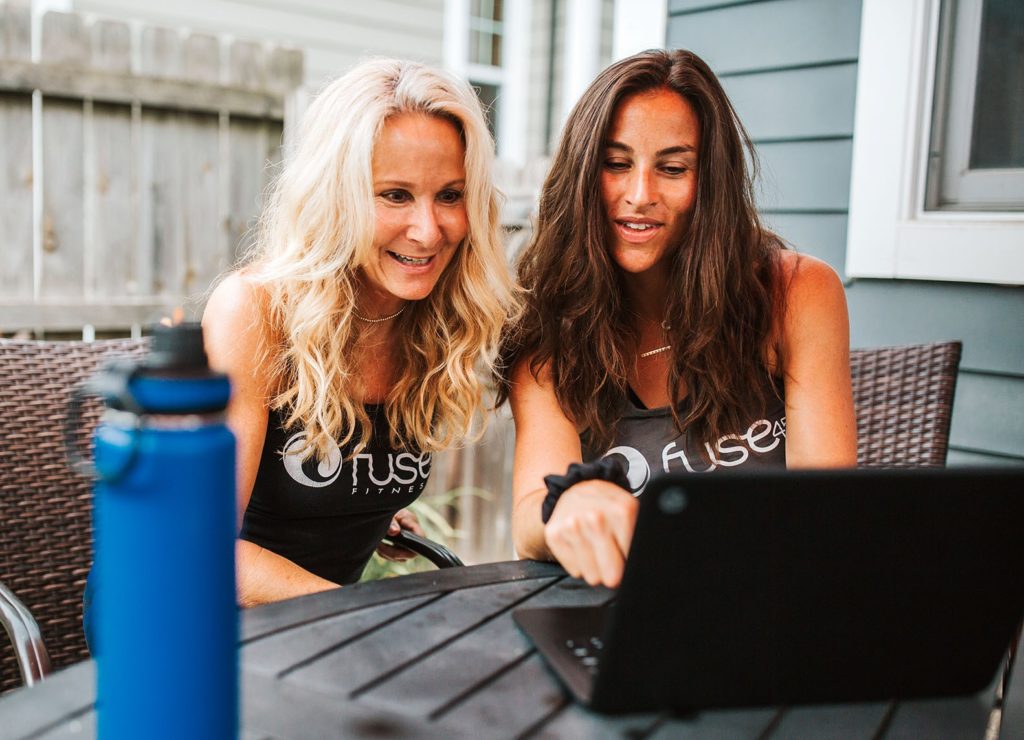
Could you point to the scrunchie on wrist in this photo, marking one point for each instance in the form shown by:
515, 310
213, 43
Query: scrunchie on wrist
607, 468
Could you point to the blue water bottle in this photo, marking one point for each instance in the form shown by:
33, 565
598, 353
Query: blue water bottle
164, 615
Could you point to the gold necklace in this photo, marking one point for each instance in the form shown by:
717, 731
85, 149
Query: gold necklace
648, 353
380, 320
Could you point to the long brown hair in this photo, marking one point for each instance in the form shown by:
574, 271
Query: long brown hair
723, 296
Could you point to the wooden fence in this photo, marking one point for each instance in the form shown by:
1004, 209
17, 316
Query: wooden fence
132, 160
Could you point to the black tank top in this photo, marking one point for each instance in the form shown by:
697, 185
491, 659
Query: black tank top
328, 515
649, 444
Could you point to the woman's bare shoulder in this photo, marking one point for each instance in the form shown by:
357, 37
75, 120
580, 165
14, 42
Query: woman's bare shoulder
815, 299
236, 292
808, 280
235, 322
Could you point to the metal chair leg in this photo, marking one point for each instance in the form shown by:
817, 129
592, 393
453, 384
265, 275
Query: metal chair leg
25, 636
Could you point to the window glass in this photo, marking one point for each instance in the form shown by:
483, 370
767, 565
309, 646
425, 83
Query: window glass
485, 29
976, 158
998, 136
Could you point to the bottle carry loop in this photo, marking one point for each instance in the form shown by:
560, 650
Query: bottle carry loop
111, 385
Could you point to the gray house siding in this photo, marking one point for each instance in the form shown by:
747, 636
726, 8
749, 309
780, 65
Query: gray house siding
790, 67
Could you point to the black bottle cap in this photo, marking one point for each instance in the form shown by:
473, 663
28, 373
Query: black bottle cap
178, 347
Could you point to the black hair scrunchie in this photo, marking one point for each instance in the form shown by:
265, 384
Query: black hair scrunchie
607, 468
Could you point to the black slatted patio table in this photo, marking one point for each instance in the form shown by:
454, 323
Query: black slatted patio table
437, 655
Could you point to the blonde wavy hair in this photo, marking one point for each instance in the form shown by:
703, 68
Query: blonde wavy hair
316, 231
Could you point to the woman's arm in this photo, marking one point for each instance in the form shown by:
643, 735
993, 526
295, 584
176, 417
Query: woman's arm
234, 336
821, 430
592, 525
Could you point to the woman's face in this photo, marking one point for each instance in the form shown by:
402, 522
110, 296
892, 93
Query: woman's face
419, 176
649, 177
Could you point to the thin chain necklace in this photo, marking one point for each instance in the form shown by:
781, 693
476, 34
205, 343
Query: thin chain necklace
382, 319
665, 326
655, 351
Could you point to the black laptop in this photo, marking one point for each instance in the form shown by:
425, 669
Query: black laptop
801, 587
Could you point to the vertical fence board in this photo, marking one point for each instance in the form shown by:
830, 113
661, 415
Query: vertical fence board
161, 203
111, 46
206, 249
202, 58
205, 252
160, 174
115, 221
64, 42
246, 150
15, 31
160, 52
247, 147
110, 175
284, 70
16, 272
247, 65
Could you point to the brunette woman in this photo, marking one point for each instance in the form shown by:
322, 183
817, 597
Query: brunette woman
665, 326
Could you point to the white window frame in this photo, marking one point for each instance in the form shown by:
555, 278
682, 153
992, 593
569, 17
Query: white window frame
890, 233
512, 78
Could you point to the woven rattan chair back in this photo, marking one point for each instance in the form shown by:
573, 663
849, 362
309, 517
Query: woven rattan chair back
904, 402
46, 508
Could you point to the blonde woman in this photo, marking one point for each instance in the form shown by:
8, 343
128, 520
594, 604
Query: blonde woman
354, 335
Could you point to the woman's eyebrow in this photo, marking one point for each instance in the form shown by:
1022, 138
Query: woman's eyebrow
682, 149
409, 185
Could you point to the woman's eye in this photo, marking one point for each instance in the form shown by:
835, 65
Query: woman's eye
396, 196
616, 165
449, 197
674, 170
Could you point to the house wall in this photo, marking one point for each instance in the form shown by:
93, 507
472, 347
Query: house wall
333, 35
790, 67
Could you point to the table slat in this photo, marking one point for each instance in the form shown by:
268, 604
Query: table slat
364, 661
514, 702
575, 721
281, 650
275, 709
64, 696
264, 620
428, 685
959, 717
834, 720
722, 723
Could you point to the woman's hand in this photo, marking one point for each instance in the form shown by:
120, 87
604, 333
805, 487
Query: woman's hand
404, 519
590, 531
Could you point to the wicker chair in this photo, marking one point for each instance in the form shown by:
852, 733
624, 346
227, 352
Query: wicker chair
904, 402
45, 508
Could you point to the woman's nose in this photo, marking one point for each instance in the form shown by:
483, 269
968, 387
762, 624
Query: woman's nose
424, 228
640, 189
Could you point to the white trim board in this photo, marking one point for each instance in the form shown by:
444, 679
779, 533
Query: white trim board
890, 234
638, 25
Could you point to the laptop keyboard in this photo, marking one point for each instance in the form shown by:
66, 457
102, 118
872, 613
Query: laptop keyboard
586, 650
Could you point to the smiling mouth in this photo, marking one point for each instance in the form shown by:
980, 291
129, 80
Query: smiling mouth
635, 226
411, 261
